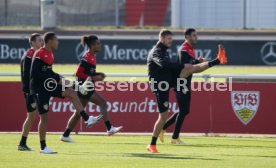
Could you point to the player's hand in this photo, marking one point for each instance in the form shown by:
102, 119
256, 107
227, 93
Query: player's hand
100, 76
201, 59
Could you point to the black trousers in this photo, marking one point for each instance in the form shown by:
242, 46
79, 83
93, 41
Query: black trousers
184, 101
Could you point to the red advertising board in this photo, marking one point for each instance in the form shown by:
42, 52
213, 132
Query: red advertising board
248, 108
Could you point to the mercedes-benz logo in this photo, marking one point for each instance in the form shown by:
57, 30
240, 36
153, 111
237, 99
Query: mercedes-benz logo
80, 50
268, 53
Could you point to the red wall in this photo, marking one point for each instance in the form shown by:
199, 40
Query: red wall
210, 111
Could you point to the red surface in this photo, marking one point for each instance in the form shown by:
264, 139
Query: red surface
151, 12
134, 11
155, 11
210, 111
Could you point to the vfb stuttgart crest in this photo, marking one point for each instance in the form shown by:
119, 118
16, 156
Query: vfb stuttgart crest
245, 104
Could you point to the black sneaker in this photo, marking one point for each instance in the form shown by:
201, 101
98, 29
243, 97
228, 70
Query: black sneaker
23, 148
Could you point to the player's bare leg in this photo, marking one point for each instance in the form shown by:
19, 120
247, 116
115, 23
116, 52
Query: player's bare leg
42, 129
168, 123
42, 126
25, 131
28, 123
74, 119
161, 135
72, 122
99, 100
159, 123
72, 95
190, 69
156, 131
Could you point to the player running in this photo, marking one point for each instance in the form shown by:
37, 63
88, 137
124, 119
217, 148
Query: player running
35, 41
162, 72
86, 71
45, 83
186, 56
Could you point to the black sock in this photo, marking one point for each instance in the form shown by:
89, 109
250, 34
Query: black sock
42, 144
23, 141
67, 132
108, 125
170, 121
153, 140
84, 115
214, 62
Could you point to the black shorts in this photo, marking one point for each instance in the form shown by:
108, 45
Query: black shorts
90, 92
42, 98
30, 102
162, 97
87, 96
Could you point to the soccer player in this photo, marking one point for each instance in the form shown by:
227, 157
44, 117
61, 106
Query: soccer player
45, 83
35, 41
87, 70
186, 56
162, 74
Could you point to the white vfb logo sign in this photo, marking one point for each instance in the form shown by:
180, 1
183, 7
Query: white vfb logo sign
245, 104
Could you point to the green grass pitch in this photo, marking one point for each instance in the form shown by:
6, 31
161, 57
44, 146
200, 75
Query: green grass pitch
122, 151
141, 69
130, 151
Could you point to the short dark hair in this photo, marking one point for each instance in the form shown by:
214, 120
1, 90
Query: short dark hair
32, 37
49, 36
89, 40
189, 31
165, 32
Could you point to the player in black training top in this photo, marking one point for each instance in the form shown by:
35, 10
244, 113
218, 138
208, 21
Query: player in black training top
186, 56
35, 41
163, 74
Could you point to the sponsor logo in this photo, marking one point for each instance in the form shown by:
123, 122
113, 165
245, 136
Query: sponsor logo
146, 105
245, 104
80, 50
117, 53
268, 53
114, 52
110, 52
11, 53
